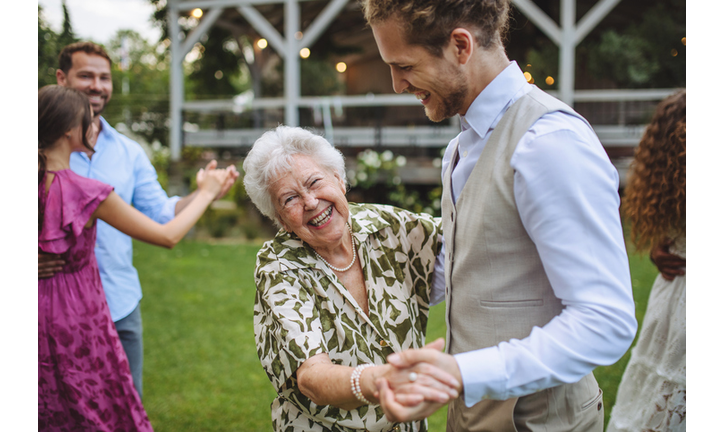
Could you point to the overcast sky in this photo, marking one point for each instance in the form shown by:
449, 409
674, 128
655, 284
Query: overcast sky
99, 20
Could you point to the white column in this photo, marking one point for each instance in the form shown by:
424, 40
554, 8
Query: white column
177, 83
291, 63
567, 56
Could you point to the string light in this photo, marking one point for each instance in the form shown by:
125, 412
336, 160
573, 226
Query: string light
341, 67
528, 76
197, 13
550, 80
262, 43
304, 53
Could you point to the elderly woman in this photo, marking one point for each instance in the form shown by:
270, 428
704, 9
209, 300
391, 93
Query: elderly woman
339, 288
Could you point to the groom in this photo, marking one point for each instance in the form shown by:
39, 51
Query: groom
537, 279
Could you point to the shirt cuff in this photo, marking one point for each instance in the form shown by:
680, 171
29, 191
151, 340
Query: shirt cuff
168, 211
483, 373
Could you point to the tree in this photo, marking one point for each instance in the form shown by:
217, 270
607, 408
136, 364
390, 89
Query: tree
47, 51
649, 53
140, 86
50, 44
216, 71
638, 45
66, 36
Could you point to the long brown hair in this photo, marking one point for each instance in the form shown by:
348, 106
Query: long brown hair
655, 197
60, 109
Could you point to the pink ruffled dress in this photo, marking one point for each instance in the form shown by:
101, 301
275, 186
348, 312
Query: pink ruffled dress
84, 382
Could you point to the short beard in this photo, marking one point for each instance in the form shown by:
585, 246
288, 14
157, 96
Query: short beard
453, 101
98, 113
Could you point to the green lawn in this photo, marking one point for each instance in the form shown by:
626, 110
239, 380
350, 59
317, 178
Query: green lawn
201, 372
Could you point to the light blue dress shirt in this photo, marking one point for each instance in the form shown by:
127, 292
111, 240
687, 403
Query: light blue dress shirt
566, 191
123, 164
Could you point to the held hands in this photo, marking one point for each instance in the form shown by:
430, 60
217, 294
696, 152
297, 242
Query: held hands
232, 175
668, 264
403, 399
48, 265
216, 182
417, 382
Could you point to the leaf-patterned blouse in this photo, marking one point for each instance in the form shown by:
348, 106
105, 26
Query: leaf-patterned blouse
302, 309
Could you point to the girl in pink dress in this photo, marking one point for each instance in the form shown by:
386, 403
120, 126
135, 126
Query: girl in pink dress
84, 382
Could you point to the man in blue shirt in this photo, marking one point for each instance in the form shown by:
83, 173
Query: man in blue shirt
122, 163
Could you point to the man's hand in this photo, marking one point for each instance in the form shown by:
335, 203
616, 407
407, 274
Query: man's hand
233, 175
420, 381
404, 400
434, 357
668, 264
49, 265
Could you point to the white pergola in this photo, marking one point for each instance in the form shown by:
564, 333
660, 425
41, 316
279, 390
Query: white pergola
567, 36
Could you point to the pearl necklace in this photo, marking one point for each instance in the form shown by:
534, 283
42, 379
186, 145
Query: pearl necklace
354, 255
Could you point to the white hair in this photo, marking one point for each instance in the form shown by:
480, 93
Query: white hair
272, 155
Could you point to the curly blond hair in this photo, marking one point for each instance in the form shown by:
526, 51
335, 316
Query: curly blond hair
429, 23
655, 197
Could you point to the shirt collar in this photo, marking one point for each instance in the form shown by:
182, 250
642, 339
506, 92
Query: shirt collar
494, 100
105, 128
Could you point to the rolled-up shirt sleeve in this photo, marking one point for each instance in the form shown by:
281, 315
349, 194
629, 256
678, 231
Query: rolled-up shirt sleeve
566, 191
148, 195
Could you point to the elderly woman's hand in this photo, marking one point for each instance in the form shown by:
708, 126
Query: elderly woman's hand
403, 408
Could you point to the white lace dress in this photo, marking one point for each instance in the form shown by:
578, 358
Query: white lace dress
652, 393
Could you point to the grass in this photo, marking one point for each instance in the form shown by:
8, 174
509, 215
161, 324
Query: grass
201, 371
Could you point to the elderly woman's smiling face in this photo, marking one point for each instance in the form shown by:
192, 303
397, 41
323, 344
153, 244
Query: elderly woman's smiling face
310, 201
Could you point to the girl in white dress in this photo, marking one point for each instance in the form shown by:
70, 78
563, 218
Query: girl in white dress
652, 394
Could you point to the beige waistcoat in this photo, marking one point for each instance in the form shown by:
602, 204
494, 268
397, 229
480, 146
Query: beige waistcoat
496, 287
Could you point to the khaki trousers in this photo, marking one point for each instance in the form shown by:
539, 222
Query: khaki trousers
576, 407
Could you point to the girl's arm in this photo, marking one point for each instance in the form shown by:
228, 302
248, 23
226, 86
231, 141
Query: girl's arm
120, 215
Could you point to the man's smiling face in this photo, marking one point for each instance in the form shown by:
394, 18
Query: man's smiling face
437, 82
91, 74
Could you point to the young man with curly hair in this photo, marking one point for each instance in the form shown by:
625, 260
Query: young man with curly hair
538, 287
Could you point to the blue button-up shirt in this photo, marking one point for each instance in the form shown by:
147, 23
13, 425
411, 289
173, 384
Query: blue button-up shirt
123, 164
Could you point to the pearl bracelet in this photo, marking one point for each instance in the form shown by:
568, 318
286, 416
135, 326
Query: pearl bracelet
354, 382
